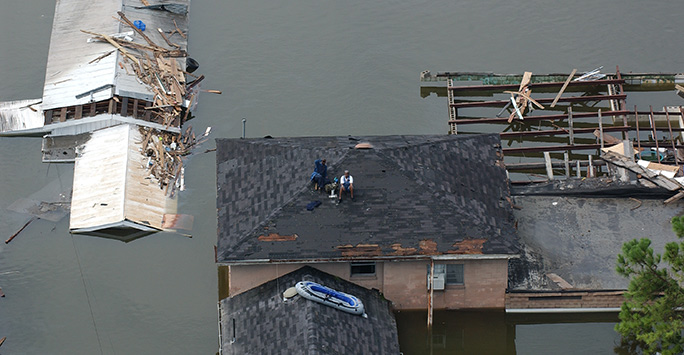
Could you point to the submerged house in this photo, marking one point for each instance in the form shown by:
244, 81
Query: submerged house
114, 100
430, 226
297, 325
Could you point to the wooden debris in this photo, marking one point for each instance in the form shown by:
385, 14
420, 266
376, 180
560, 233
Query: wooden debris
2, 340
565, 85
637, 201
20, 230
2, 294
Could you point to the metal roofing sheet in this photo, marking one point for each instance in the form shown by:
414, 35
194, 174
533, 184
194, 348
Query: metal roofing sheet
72, 69
20, 115
112, 185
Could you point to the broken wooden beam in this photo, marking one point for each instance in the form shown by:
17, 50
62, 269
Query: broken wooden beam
565, 85
499, 103
20, 230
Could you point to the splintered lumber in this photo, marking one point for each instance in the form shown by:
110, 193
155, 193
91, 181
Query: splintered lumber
565, 85
2, 294
680, 90
2, 340
674, 198
526, 96
610, 140
625, 162
20, 230
525, 80
115, 44
136, 29
161, 32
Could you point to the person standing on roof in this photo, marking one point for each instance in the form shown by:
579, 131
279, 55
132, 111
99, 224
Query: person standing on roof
346, 184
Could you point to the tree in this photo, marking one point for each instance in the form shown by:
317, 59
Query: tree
652, 316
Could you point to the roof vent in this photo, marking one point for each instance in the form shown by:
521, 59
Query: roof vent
364, 145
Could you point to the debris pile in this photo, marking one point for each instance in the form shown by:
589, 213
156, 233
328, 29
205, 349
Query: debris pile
164, 151
158, 68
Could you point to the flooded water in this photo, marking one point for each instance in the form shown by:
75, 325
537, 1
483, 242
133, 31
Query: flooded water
297, 68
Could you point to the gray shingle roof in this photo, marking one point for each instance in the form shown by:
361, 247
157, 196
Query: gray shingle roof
414, 195
265, 324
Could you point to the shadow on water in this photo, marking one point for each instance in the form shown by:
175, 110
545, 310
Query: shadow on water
489, 332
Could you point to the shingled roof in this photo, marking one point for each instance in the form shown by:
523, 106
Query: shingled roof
414, 195
260, 322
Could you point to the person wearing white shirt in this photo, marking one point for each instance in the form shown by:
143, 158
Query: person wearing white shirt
346, 184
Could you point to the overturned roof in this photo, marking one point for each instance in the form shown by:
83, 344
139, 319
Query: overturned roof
74, 74
414, 195
113, 191
301, 326
578, 238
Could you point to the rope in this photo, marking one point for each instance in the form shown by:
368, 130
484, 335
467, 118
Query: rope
92, 316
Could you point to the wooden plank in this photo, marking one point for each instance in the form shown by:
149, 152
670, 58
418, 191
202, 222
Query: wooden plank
525, 80
600, 122
565, 85
79, 112
135, 108
549, 168
674, 198
48, 116
624, 162
517, 110
567, 164
124, 106
141, 33
571, 133
655, 134
148, 113
62, 114
93, 109
110, 110
500, 103
523, 94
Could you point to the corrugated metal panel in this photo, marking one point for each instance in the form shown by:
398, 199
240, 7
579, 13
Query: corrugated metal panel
89, 124
153, 19
68, 72
99, 179
16, 115
111, 184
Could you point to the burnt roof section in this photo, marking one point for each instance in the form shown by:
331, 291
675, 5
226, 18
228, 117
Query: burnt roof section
301, 326
414, 195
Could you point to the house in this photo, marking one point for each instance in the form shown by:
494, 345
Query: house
114, 100
571, 243
299, 326
424, 205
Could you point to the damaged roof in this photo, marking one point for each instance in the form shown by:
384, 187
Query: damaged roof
414, 195
301, 326
578, 238
80, 72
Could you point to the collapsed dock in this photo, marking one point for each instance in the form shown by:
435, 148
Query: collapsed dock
556, 124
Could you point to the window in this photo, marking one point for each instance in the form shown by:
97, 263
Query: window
454, 274
363, 269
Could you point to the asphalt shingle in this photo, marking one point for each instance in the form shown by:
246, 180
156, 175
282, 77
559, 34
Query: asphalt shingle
413, 195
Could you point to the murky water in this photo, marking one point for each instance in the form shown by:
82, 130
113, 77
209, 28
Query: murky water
295, 68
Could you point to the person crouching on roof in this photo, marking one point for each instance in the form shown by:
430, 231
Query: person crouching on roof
319, 175
346, 184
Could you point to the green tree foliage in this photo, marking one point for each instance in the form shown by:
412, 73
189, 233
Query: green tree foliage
652, 316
